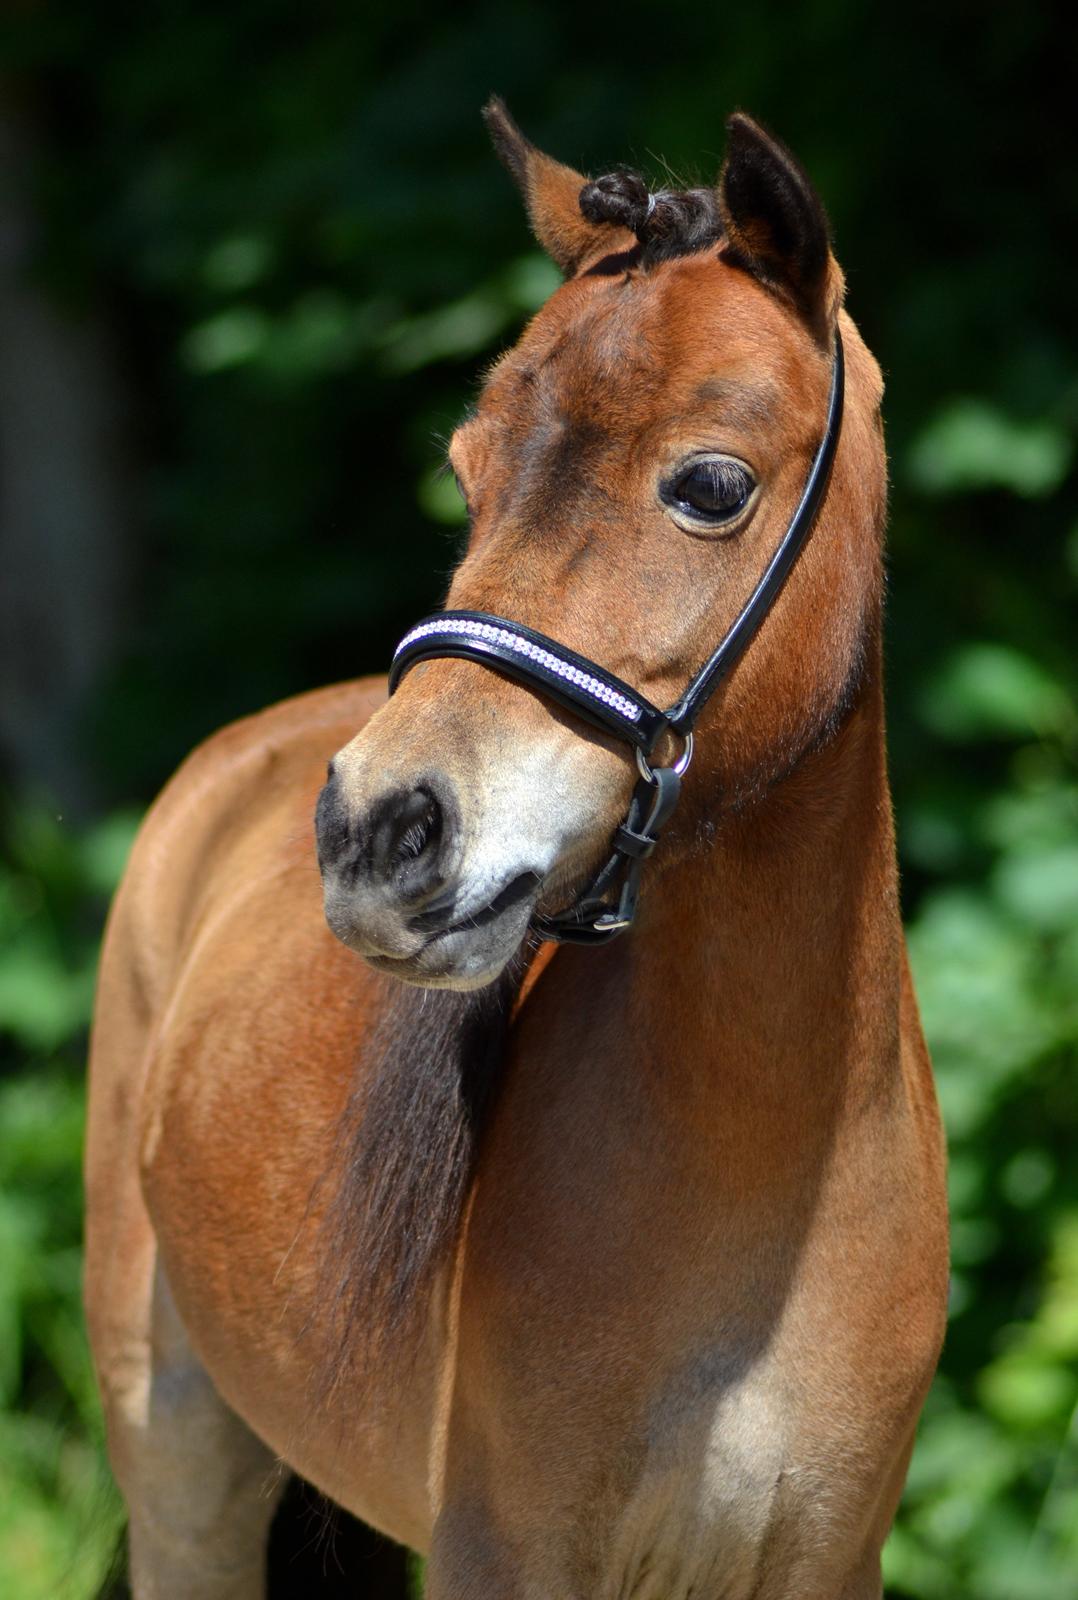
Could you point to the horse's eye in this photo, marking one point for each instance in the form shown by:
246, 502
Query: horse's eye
712, 491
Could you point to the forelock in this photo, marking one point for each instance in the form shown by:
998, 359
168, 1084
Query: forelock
667, 222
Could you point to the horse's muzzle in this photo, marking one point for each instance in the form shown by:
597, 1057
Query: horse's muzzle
394, 891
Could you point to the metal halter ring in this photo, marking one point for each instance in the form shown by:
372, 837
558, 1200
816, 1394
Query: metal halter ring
681, 765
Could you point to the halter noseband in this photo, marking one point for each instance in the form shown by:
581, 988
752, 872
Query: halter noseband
614, 707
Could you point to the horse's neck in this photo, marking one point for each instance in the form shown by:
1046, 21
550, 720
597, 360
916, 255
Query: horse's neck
778, 949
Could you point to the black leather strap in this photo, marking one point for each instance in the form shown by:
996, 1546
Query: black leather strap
538, 661
739, 636
595, 919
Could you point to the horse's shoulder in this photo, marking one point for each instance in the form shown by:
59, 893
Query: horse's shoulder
239, 809
304, 728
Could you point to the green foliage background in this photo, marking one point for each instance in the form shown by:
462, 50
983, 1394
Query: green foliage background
290, 223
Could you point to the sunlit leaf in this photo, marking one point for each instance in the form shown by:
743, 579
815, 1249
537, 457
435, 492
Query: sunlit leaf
229, 339
993, 691
971, 445
1026, 1392
1041, 886
105, 848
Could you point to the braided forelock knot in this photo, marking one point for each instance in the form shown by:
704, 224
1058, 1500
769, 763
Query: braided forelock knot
623, 198
667, 219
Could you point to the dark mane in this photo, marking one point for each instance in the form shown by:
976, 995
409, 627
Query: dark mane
404, 1160
667, 222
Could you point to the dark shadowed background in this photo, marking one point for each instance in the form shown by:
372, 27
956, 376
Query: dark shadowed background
253, 259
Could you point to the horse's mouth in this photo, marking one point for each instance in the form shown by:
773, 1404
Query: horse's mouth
524, 887
467, 951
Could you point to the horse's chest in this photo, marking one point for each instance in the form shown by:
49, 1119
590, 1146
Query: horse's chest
704, 1506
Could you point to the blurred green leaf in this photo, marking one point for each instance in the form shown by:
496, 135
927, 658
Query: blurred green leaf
105, 848
993, 691
237, 263
461, 329
1041, 887
41, 1002
971, 445
441, 499
470, 324
228, 339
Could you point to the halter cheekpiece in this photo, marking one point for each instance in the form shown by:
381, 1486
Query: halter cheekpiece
607, 907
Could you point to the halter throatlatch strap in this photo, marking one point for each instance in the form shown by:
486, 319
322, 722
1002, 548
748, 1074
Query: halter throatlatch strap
607, 906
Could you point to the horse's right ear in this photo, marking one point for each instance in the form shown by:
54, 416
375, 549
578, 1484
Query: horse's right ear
552, 195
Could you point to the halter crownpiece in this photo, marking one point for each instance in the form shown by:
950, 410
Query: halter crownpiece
615, 707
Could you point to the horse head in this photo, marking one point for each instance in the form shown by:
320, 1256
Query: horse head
630, 467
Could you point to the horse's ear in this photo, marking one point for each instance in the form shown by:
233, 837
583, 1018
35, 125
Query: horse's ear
552, 195
775, 223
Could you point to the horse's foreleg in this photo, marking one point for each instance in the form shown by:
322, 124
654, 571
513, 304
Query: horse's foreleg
200, 1487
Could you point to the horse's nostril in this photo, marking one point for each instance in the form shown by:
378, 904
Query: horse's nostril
399, 845
408, 841
420, 825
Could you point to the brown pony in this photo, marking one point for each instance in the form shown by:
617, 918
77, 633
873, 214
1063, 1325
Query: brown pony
610, 1272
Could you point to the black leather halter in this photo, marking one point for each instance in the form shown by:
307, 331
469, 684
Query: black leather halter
605, 909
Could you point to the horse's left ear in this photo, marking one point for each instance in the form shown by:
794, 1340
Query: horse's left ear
775, 223
552, 195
